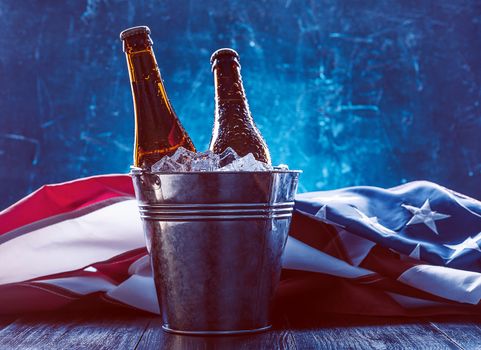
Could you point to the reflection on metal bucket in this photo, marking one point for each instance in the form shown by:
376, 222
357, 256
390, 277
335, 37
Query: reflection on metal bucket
216, 241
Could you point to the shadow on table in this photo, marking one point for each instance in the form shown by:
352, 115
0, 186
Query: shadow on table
306, 300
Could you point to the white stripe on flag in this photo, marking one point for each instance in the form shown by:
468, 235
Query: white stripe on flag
452, 284
82, 285
72, 244
414, 303
357, 248
300, 256
137, 291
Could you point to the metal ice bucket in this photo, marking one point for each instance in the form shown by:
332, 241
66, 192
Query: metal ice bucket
215, 240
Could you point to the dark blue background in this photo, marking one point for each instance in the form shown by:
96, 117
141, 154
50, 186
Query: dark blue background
352, 92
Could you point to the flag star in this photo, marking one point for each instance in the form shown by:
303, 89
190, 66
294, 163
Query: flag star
425, 215
374, 222
469, 243
322, 214
416, 253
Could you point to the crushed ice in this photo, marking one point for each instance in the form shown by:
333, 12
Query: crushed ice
184, 160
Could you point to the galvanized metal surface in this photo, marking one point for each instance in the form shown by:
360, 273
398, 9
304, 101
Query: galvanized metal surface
216, 240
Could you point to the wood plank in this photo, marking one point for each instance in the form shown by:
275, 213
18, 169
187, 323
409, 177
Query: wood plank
327, 331
462, 330
394, 336
113, 330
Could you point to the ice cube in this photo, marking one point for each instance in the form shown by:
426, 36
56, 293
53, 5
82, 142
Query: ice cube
281, 167
183, 156
166, 164
227, 157
246, 163
205, 161
185, 160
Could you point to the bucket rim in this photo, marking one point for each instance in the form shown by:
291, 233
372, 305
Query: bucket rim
139, 171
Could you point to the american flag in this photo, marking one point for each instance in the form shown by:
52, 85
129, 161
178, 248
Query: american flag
408, 250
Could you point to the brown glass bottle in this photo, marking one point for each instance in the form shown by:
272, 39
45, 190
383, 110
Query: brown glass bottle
158, 131
233, 124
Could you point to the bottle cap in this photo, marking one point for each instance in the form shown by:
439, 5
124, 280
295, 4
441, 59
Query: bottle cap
134, 31
225, 52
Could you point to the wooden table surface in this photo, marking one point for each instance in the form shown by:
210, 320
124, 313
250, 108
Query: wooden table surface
126, 329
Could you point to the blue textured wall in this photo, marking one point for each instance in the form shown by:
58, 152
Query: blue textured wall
352, 92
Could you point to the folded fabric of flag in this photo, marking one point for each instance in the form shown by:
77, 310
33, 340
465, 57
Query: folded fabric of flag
408, 250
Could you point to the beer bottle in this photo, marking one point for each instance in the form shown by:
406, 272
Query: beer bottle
233, 124
158, 131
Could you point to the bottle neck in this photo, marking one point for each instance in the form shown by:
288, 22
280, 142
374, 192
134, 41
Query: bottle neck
137, 42
142, 65
145, 77
228, 81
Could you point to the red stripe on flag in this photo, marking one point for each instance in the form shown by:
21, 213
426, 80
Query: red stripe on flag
25, 297
114, 270
51, 200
